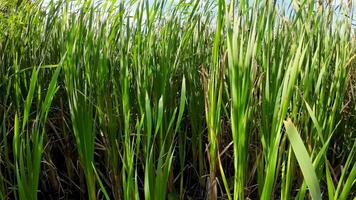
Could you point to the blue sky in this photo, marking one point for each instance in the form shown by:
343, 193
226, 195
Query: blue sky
335, 3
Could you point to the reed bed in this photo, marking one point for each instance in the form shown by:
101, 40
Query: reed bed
165, 99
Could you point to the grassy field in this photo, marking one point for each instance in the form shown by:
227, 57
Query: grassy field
165, 99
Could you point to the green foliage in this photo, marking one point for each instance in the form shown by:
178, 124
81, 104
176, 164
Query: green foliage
28, 143
162, 99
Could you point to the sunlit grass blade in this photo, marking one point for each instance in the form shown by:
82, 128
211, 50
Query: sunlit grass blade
304, 160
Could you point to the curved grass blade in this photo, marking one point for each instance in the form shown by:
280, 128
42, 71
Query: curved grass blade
303, 159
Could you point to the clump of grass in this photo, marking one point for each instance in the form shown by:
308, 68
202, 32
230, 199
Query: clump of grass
28, 145
213, 106
242, 43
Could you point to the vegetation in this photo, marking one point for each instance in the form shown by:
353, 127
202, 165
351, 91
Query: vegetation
170, 99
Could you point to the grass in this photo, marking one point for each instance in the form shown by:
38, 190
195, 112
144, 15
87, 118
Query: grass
28, 145
166, 99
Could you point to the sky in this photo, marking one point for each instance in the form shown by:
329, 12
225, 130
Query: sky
335, 3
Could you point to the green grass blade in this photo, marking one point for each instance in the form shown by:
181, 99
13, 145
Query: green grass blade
303, 159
